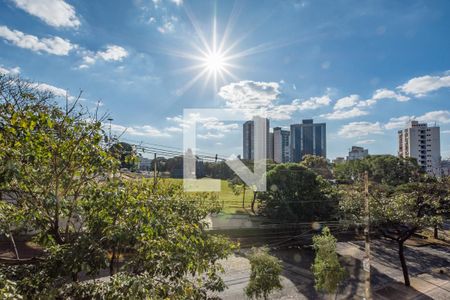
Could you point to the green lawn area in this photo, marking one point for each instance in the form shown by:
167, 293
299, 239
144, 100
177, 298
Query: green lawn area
231, 203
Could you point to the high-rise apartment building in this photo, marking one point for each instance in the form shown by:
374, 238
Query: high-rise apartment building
357, 153
270, 145
281, 147
308, 138
250, 138
422, 143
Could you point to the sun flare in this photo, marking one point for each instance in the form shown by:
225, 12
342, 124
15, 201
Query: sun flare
215, 62
216, 57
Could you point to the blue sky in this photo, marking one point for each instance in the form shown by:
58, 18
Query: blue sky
363, 67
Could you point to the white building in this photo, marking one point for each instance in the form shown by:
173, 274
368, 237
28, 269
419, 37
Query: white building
422, 143
281, 148
357, 153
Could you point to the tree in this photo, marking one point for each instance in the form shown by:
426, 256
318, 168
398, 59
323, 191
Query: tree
125, 153
218, 170
318, 164
238, 186
296, 193
399, 212
328, 272
264, 275
383, 169
49, 156
65, 186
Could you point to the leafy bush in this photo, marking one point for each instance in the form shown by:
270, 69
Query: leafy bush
328, 272
265, 274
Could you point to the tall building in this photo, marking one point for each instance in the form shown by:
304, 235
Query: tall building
308, 138
422, 143
281, 148
357, 153
270, 146
250, 138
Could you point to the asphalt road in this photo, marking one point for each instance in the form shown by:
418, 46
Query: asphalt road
424, 263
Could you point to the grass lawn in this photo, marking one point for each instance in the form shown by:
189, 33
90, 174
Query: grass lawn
231, 203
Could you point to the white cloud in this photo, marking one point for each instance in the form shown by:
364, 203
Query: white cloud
210, 135
280, 112
208, 123
348, 101
261, 98
312, 103
365, 142
358, 129
389, 94
173, 129
111, 53
345, 114
177, 2
439, 116
167, 24
145, 130
44, 87
400, 122
55, 13
249, 94
166, 27
11, 71
53, 45
420, 86
381, 94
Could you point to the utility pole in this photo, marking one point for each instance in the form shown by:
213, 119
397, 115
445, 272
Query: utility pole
155, 169
366, 260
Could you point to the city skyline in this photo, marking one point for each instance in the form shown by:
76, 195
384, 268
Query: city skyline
365, 70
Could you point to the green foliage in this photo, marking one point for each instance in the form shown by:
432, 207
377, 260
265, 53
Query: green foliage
8, 289
318, 164
265, 274
296, 193
328, 272
398, 212
125, 153
383, 169
49, 157
124, 286
415, 204
66, 187
218, 170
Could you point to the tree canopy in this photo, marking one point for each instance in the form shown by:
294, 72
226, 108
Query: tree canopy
383, 169
399, 211
264, 275
327, 270
296, 193
64, 188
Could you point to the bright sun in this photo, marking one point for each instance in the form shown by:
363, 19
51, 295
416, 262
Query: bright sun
215, 62
216, 57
